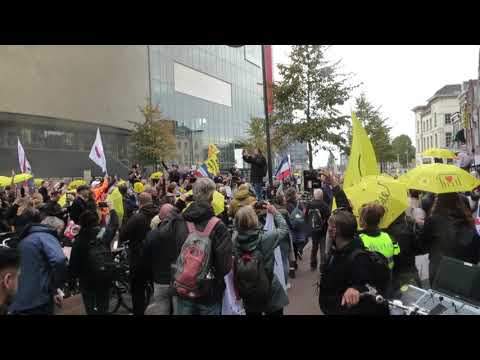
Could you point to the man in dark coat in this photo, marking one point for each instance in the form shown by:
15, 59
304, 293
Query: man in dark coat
44, 191
258, 170
80, 204
135, 231
346, 276
317, 214
200, 212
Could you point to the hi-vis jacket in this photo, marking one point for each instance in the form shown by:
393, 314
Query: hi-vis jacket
383, 244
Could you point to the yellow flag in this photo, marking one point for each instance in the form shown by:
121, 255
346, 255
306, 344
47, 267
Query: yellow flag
212, 150
62, 201
213, 165
362, 161
117, 203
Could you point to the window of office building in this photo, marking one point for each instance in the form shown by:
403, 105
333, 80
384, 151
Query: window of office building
448, 119
220, 114
448, 139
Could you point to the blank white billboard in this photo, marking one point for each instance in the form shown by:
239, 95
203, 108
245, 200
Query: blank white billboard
195, 83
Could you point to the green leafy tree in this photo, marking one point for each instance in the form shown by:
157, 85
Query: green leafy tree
256, 135
403, 149
307, 97
153, 139
376, 127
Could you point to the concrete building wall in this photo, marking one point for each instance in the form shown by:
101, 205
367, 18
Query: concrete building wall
92, 83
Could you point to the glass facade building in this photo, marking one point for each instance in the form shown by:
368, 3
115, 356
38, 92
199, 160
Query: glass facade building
55, 97
213, 90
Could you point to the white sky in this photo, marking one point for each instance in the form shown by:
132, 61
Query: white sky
397, 77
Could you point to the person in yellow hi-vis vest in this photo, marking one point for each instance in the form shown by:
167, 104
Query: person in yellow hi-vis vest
372, 237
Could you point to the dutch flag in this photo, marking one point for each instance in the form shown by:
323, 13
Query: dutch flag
284, 170
202, 171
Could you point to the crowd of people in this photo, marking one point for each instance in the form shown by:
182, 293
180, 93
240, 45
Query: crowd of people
182, 244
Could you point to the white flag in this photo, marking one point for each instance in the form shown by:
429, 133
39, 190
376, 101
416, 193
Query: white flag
278, 265
25, 167
97, 155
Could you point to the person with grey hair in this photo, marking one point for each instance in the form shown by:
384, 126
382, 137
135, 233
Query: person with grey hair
55, 223
317, 213
200, 214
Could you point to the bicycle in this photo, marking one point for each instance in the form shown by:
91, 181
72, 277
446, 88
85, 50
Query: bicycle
9, 240
120, 291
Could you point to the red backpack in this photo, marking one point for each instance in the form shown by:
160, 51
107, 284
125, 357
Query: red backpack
193, 274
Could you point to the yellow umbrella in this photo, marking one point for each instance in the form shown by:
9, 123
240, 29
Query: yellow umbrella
156, 175
388, 192
76, 183
37, 181
21, 178
218, 202
5, 180
62, 201
439, 179
439, 153
121, 182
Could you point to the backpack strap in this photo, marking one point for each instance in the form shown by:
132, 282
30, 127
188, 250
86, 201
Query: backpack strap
210, 225
191, 227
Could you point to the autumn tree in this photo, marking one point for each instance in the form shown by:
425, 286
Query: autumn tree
307, 97
256, 135
153, 139
403, 149
376, 127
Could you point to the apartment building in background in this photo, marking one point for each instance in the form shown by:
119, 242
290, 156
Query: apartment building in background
434, 121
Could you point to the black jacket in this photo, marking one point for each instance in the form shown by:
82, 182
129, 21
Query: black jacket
324, 210
129, 206
136, 230
77, 208
257, 171
44, 193
161, 251
402, 231
200, 213
445, 236
78, 264
174, 176
341, 273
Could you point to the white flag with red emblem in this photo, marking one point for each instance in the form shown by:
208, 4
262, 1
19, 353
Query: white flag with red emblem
25, 167
97, 154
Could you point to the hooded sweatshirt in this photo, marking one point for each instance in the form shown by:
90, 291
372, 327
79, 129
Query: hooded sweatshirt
43, 268
242, 197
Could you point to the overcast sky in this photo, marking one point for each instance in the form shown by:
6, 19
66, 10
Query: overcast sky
398, 77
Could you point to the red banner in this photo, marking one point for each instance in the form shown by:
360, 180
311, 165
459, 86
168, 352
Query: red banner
269, 73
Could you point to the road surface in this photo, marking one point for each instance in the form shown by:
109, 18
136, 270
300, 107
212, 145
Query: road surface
302, 294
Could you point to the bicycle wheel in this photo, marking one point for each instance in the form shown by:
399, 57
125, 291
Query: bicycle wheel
115, 299
125, 295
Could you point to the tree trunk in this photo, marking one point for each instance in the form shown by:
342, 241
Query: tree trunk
310, 155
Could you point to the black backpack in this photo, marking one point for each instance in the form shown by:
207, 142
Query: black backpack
318, 224
251, 279
381, 273
100, 262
